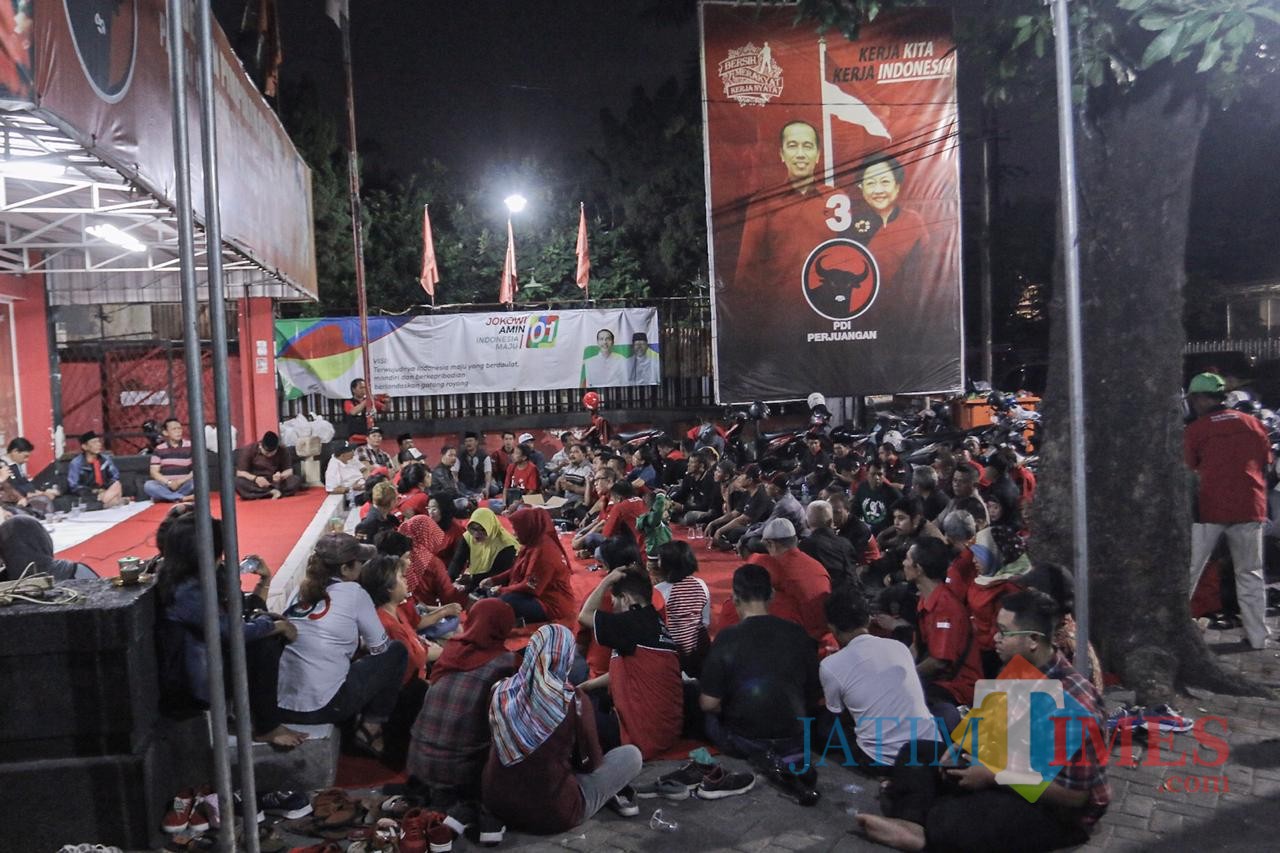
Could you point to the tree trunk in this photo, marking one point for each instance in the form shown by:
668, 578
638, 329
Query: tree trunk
1137, 155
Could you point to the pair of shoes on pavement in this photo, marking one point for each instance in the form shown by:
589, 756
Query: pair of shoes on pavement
195, 811
1161, 717
705, 781
435, 831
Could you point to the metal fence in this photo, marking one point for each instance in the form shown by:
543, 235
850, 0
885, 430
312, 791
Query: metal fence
684, 328
1262, 348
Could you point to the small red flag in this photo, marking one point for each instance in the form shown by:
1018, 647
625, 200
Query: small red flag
584, 261
430, 272
507, 293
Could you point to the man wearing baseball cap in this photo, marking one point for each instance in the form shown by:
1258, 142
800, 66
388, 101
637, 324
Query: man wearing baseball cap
801, 585
1229, 452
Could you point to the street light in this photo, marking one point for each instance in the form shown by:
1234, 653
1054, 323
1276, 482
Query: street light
515, 202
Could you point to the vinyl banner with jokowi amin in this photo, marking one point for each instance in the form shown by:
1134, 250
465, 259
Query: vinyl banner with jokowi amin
480, 352
833, 204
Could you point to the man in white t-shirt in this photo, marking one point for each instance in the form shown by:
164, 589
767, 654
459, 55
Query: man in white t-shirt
344, 472
874, 680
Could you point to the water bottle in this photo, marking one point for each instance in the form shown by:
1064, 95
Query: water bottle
804, 493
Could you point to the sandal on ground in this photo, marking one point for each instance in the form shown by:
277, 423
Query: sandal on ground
365, 741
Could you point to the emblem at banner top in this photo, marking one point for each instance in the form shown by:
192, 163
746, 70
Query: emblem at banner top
751, 76
840, 279
542, 330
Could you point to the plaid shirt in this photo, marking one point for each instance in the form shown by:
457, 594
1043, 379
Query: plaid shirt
1091, 774
451, 736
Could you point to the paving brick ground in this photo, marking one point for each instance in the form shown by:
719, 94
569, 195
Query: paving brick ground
1240, 811
1233, 807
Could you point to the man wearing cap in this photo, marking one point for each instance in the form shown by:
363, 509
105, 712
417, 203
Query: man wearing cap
645, 367
92, 474
171, 476
474, 468
264, 469
344, 472
371, 454
800, 584
1229, 452
535, 456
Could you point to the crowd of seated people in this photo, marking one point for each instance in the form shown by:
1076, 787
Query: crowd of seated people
888, 595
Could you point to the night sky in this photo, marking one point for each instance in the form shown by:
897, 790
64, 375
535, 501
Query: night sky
478, 84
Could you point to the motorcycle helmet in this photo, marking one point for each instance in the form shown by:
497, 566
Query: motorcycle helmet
758, 410
894, 439
591, 401
815, 400
706, 432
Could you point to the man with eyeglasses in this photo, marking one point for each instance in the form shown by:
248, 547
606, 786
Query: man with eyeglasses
963, 808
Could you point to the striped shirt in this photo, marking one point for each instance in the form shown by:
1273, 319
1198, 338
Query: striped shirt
172, 461
688, 611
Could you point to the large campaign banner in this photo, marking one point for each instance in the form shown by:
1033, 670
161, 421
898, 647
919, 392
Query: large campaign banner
833, 204
472, 353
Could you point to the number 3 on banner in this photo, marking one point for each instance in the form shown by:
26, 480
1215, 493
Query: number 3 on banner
840, 208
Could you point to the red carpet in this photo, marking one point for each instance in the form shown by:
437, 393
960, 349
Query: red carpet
269, 529
714, 567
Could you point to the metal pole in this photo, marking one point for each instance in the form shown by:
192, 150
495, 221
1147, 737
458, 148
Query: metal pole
222, 417
357, 224
988, 313
1075, 342
195, 408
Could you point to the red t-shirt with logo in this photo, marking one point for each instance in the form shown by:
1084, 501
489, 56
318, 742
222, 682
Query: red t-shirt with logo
947, 636
1230, 452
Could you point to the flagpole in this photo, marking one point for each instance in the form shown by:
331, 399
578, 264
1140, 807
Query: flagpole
828, 166
357, 227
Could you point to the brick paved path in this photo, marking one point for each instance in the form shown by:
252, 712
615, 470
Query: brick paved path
1144, 813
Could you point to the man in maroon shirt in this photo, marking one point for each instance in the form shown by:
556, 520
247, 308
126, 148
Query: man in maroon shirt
948, 662
1229, 452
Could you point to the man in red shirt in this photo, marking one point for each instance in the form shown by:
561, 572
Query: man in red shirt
643, 680
947, 656
1229, 452
359, 407
626, 508
801, 585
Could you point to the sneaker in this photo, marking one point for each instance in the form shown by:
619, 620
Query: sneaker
439, 836
1126, 716
624, 802
460, 817
178, 819
691, 774
258, 814
1166, 719
668, 789
206, 815
492, 830
287, 804
719, 784
415, 825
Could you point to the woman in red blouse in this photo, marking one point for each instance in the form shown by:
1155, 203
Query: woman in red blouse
538, 586
413, 496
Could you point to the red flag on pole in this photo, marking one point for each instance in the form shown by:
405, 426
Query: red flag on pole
430, 272
507, 293
584, 261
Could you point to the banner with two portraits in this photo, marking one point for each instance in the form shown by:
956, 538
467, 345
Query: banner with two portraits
833, 204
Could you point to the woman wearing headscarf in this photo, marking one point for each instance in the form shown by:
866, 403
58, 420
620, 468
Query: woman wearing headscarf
546, 773
487, 548
444, 512
24, 542
428, 579
537, 587
450, 740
